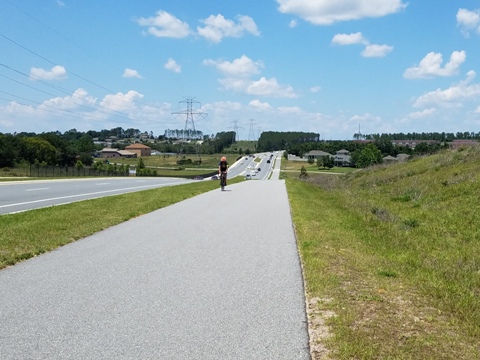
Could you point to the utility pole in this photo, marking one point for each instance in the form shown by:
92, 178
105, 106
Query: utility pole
189, 114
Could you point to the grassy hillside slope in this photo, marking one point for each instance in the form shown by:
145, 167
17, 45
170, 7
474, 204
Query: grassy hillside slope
391, 257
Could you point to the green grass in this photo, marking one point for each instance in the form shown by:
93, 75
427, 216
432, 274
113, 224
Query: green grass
31, 233
393, 252
242, 144
170, 161
292, 166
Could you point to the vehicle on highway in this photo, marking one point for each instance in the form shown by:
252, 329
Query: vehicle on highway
259, 169
198, 177
215, 177
248, 176
268, 161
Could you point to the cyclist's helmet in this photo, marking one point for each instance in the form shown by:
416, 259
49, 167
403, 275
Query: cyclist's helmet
224, 158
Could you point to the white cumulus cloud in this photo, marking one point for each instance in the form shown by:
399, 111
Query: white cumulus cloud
238, 75
262, 87
173, 66
349, 39
217, 27
240, 67
165, 25
431, 66
371, 50
270, 87
56, 73
130, 73
374, 50
422, 114
468, 20
79, 98
121, 102
258, 105
326, 12
454, 96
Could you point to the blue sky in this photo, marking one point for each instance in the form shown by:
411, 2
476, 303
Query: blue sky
253, 65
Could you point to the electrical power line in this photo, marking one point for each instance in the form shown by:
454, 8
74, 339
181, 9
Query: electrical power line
68, 71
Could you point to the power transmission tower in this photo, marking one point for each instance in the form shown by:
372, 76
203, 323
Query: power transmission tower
236, 127
189, 114
251, 132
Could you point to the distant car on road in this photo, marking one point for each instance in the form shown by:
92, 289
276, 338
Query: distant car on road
268, 161
198, 178
215, 177
248, 176
259, 169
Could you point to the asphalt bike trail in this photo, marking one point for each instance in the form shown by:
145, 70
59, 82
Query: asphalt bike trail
214, 277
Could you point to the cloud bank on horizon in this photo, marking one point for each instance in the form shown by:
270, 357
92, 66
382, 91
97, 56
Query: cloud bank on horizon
284, 65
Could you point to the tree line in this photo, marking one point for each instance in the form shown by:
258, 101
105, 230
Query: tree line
47, 148
438, 136
66, 149
274, 140
69, 148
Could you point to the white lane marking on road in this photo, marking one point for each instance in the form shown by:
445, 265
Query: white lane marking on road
37, 189
79, 195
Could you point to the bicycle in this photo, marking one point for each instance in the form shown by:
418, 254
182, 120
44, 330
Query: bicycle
223, 180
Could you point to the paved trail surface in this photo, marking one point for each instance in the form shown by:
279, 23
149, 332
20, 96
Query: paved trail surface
213, 277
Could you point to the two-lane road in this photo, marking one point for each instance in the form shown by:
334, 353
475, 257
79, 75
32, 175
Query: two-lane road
27, 195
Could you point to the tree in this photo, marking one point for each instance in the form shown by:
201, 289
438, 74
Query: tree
369, 155
328, 162
86, 159
320, 162
8, 151
303, 173
79, 166
141, 164
85, 145
325, 162
36, 149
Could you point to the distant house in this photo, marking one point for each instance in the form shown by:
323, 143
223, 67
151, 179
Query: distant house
455, 144
402, 157
390, 159
115, 153
316, 154
394, 159
139, 149
342, 158
412, 143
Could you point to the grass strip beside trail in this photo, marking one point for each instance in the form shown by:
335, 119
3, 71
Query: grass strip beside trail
28, 234
390, 258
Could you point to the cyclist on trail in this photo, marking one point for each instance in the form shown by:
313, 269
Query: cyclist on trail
222, 171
